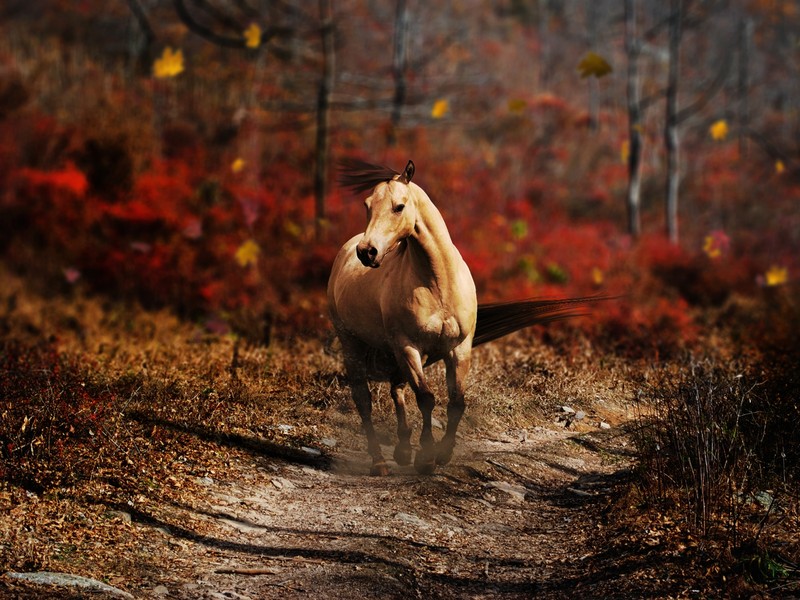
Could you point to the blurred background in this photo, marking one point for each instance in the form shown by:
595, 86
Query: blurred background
183, 154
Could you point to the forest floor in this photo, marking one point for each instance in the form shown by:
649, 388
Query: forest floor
240, 472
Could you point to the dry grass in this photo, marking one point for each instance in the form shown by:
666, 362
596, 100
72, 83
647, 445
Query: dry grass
175, 402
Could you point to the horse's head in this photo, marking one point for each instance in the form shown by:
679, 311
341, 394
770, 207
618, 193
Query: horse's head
391, 215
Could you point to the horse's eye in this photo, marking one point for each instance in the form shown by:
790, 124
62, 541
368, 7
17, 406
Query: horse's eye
399, 208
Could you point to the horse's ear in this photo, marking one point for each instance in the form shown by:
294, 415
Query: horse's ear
408, 173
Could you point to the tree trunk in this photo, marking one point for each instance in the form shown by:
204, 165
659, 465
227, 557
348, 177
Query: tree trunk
745, 41
634, 123
399, 64
594, 101
323, 114
671, 139
544, 44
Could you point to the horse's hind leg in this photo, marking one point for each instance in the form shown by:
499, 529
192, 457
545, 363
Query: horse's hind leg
402, 452
457, 365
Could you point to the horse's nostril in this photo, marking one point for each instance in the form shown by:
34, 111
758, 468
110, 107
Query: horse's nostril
373, 252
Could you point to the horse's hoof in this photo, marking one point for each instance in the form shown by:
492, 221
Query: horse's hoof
402, 454
443, 454
425, 462
380, 469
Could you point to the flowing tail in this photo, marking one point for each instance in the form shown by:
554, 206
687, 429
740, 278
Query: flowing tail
498, 319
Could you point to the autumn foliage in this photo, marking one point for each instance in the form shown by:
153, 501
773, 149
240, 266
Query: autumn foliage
238, 241
155, 187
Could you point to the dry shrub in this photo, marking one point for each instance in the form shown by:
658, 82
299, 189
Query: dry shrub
718, 442
692, 445
54, 417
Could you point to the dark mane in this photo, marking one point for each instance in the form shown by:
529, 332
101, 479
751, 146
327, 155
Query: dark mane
361, 176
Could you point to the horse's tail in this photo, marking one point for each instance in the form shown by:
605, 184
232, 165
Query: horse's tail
498, 319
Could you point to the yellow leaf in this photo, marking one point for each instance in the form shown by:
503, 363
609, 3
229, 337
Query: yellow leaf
247, 254
594, 65
440, 108
597, 276
776, 276
719, 130
625, 151
252, 36
169, 64
780, 167
293, 228
237, 165
517, 105
711, 248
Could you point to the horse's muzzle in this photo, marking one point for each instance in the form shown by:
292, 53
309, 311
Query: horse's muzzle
368, 255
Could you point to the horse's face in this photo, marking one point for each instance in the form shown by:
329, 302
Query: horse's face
391, 215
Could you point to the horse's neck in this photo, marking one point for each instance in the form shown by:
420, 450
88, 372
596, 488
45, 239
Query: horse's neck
435, 258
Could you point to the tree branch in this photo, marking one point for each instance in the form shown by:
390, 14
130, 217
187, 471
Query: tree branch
707, 94
142, 20
222, 40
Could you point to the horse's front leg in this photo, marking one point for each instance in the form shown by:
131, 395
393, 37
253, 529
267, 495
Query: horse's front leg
362, 397
457, 365
410, 363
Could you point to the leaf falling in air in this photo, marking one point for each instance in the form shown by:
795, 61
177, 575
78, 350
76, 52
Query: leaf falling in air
440, 108
519, 229
517, 105
169, 64
247, 254
710, 248
594, 65
252, 36
715, 244
719, 130
776, 276
780, 167
597, 276
625, 151
71, 275
237, 165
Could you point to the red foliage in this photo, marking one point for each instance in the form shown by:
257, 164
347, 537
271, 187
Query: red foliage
536, 213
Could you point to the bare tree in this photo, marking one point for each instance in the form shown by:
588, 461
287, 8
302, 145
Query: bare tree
671, 141
743, 83
323, 112
677, 21
399, 65
632, 49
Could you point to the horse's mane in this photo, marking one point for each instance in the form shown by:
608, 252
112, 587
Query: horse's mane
361, 176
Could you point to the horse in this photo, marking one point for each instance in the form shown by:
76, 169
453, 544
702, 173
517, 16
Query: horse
401, 297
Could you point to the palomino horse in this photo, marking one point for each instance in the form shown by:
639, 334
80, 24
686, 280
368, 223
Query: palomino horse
401, 298
400, 294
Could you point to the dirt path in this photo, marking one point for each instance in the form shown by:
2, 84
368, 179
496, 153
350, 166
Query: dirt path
508, 518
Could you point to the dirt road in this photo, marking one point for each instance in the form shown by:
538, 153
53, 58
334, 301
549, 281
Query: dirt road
510, 517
